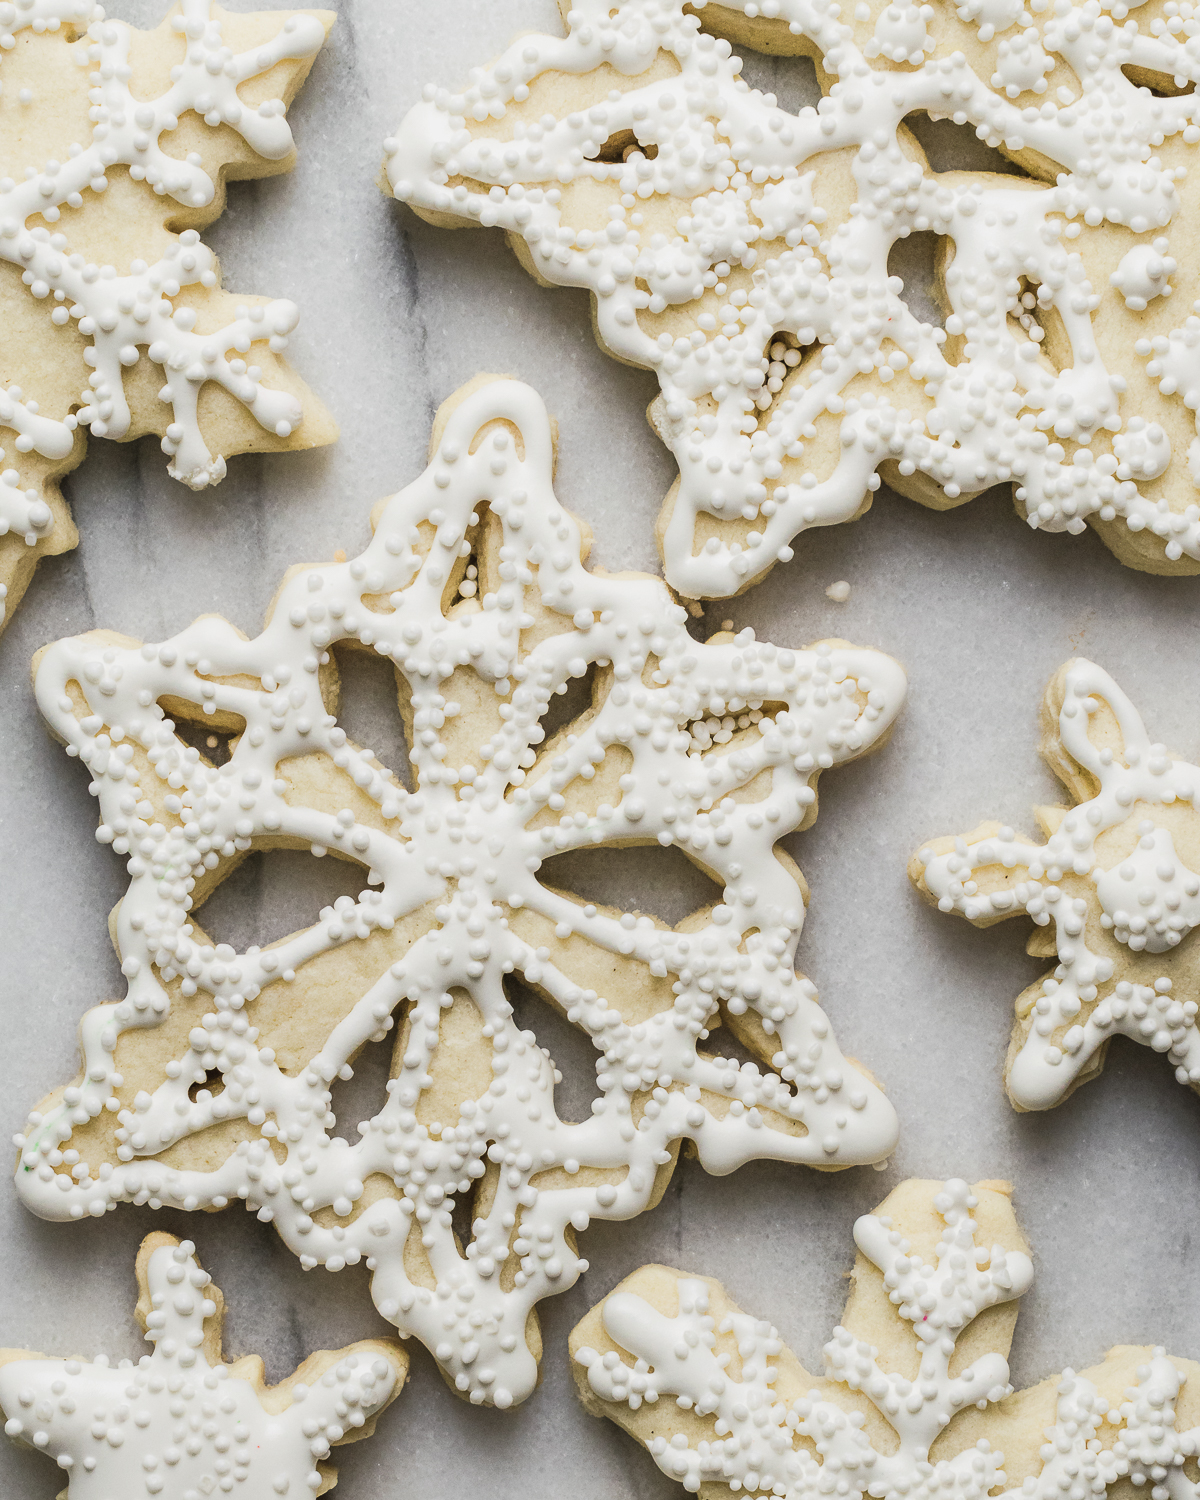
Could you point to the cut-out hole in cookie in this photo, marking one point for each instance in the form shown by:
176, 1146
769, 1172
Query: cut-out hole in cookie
623, 145
914, 260
1042, 323
785, 357
1161, 85
731, 731
359, 1098
213, 740
274, 893
571, 1050
211, 1084
663, 883
462, 1216
721, 1042
473, 574
956, 148
369, 712
566, 706
791, 81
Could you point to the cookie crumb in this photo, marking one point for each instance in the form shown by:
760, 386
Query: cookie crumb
340, 555
839, 592
726, 624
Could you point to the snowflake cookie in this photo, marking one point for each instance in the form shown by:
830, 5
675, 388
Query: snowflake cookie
183, 1423
742, 253
1112, 889
210, 1081
115, 149
933, 1289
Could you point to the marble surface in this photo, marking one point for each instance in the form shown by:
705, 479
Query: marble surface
980, 609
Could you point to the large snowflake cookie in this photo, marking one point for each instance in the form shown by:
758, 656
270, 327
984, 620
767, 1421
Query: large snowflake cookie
1113, 891
115, 149
182, 1423
915, 1400
742, 253
210, 1080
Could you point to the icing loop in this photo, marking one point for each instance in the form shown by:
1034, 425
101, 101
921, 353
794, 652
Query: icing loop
1115, 878
474, 588
183, 1423
883, 1449
631, 159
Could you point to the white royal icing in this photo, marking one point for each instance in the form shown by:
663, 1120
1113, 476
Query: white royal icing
1148, 901
755, 1451
22, 508
470, 840
1144, 273
715, 189
176, 1425
124, 314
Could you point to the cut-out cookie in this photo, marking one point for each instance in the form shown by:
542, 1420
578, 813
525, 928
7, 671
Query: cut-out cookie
182, 1422
210, 1080
115, 149
915, 1398
1114, 892
741, 252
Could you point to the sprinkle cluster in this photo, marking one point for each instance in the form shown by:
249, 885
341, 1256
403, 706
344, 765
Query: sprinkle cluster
689, 205
754, 1448
179, 1424
123, 312
452, 903
1110, 881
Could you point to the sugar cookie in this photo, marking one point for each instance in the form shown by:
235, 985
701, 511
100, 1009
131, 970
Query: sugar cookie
934, 1289
115, 149
210, 1080
742, 253
1112, 891
183, 1422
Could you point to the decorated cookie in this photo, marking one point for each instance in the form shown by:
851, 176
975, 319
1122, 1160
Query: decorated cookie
1112, 891
915, 1398
115, 149
183, 1422
742, 253
210, 1080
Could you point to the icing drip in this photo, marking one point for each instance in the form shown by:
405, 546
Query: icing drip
755, 1451
717, 747
1110, 881
180, 1422
684, 201
123, 314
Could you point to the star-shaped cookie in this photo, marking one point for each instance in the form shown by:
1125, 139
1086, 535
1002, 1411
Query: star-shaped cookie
183, 1423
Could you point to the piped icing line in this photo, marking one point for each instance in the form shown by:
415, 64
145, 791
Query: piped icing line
754, 1448
181, 1422
1105, 903
453, 865
716, 186
124, 314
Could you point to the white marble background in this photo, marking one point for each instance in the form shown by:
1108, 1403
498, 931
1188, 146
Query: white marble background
979, 608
